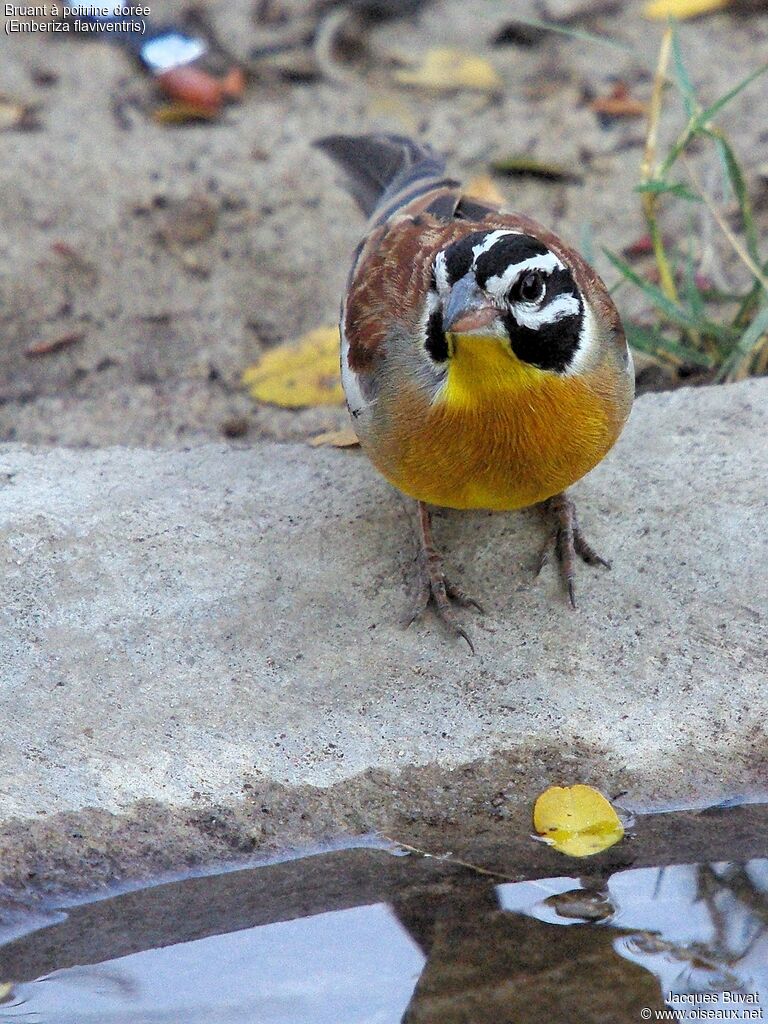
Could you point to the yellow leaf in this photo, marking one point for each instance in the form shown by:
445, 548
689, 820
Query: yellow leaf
576, 820
294, 376
660, 10
484, 188
443, 69
6, 990
344, 438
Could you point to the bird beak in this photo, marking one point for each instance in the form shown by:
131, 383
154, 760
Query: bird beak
468, 310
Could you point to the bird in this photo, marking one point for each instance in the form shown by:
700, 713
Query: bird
483, 361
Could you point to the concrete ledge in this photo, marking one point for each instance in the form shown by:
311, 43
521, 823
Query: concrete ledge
177, 624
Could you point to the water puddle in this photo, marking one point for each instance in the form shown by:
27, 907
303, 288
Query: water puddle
365, 936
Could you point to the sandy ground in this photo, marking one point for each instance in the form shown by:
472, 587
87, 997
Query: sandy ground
168, 330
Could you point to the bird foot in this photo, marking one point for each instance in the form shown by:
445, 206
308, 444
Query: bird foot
432, 585
568, 542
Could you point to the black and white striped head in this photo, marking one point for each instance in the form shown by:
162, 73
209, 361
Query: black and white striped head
509, 285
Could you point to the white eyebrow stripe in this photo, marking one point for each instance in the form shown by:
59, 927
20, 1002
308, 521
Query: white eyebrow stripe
533, 319
441, 272
488, 242
547, 263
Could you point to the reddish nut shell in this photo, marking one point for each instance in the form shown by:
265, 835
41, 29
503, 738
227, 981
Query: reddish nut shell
193, 86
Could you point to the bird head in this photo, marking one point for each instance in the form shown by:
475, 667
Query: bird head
509, 287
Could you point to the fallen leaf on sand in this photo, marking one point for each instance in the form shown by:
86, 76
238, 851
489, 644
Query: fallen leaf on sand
183, 113
660, 10
523, 166
619, 103
483, 187
46, 348
344, 438
576, 820
301, 374
443, 70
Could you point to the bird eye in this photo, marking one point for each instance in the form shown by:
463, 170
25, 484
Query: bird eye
528, 288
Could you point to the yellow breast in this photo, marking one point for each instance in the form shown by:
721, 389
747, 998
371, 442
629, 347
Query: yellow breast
501, 434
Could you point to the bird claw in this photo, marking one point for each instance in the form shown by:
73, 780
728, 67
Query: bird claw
435, 588
568, 542
462, 599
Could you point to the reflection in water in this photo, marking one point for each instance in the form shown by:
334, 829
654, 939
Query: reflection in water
354, 966
702, 930
695, 936
712, 944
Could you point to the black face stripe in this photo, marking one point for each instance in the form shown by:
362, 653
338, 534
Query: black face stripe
560, 282
459, 257
550, 346
509, 250
436, 342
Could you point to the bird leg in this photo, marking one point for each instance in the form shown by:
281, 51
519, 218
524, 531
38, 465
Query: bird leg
568, 541
432, 584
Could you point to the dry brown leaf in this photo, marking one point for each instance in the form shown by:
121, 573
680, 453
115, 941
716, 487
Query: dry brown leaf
523, 166
46, 348
182, 113
619, 103
444, 70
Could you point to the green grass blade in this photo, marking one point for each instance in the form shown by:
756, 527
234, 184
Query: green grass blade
706, 115
693, 296
749, 303
669, 188
656, 344
739, 186
680, 75
746, 342
699, 122
687, 134
674, 312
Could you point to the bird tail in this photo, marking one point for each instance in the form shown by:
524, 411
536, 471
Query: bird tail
385, 171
